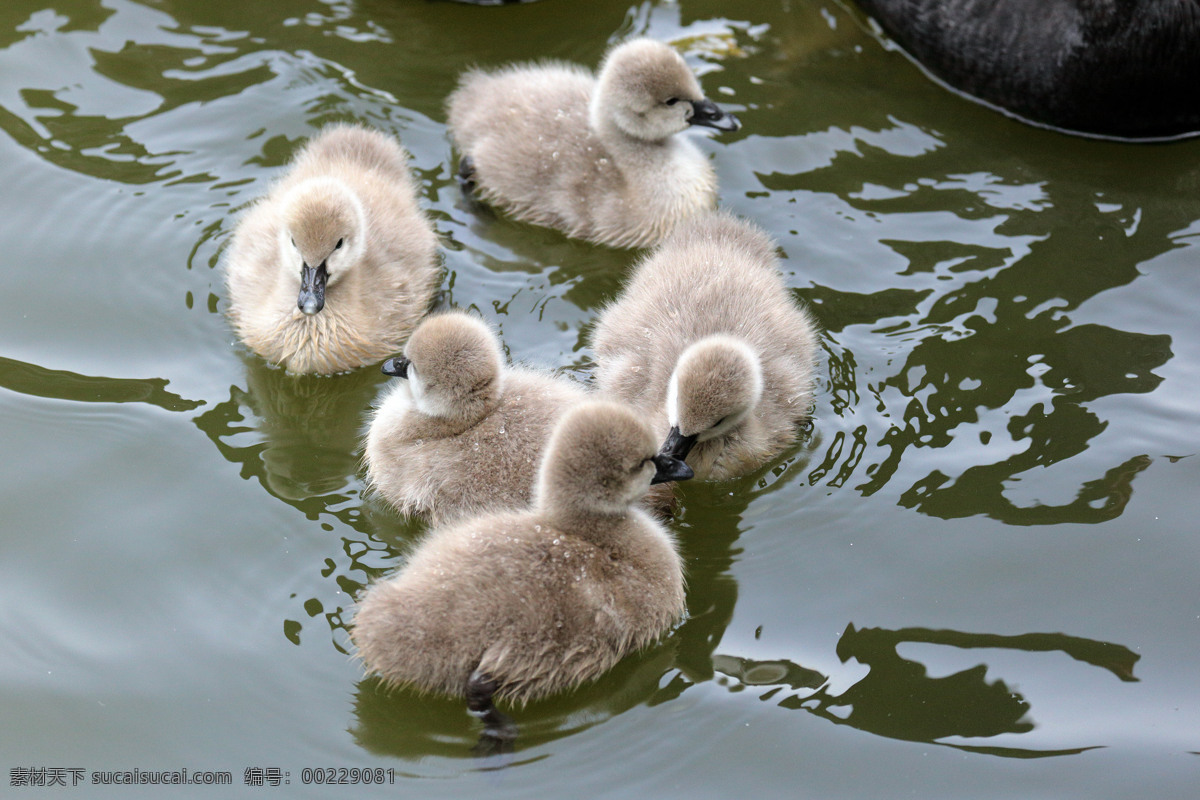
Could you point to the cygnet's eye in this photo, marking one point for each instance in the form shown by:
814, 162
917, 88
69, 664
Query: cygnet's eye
338, 246
672, 101
720, 422
294, 242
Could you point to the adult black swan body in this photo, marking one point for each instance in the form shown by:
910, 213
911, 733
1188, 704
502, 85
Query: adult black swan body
1121, 68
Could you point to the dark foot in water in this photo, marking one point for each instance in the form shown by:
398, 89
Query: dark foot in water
466, 175
499, 731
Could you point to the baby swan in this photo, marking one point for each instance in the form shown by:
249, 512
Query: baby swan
596, 158
462, 434
520, 605
706, 336
333, 268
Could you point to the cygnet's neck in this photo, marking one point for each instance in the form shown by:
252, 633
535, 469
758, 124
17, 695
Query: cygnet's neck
459, 417
599, 525
471, 414
604, 126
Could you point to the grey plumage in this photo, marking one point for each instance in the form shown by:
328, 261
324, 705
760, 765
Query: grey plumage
596, 158
346, 214
463, 434
706, 337
537, 600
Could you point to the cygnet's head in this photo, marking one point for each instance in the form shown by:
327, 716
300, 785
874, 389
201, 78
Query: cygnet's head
716, 385
453, 365
323, 235
647, 90
601, 458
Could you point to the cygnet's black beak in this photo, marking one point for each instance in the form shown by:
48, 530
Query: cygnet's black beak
707, 113
667, 469
677, 445
312, 289
396, 367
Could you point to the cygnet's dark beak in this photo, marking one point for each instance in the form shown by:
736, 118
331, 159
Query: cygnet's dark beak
707, 113
312, 289
677, 445
667, 469
396, 367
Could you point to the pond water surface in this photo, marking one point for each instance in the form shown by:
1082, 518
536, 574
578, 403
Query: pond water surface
978, 576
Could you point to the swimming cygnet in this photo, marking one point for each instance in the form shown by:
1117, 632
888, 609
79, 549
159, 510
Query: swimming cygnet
463, 434
706, 336
596, 158
519, 605
333, 268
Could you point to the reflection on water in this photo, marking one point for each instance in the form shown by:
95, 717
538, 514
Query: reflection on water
898, 699
985, 368
707, 528
778, 674
299, 436
135, 94
86, 125
30, 379
305, 431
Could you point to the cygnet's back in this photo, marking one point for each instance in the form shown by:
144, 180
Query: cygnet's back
707, 337
461, 433
597, 158
528, 603
335, 266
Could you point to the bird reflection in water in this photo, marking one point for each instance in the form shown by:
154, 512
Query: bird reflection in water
297, 434
898, 699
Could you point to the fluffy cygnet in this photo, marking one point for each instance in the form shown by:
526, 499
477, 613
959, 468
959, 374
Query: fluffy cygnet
707, 337
333, 268
596, 158
462, 434
524, 604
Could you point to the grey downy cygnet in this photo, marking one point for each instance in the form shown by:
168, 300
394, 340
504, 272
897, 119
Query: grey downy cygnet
461, 433
337, 264
706, 336
595, 157
519, 605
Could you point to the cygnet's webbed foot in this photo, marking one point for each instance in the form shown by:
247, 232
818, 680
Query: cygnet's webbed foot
466, 175
499, 731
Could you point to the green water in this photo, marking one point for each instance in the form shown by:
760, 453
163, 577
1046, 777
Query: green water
979, 575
